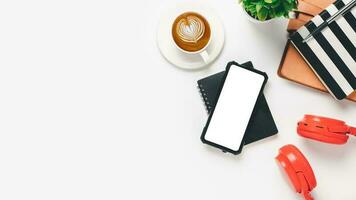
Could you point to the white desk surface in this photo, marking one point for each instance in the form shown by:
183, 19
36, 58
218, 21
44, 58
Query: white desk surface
90, 110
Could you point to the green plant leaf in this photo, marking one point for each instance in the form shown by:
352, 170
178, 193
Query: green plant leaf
268, 9
259, 7
262, 14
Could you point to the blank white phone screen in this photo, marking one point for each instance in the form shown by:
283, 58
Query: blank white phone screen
234, 107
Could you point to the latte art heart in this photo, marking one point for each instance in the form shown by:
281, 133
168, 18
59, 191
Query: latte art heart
190, 29
191, 32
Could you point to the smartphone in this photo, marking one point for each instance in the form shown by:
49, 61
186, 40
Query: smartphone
227, 123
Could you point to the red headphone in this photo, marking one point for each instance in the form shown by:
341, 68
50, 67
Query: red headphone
298, 170
325, 129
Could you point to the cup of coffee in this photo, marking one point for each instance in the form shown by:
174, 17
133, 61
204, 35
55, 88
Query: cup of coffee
192, 34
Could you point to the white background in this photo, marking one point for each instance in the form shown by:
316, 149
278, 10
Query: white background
90, 110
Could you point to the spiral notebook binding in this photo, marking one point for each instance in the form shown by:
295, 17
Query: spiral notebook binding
204, 96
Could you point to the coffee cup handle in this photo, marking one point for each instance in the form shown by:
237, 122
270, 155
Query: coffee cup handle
205, 56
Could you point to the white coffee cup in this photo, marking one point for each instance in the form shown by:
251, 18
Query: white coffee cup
203, 51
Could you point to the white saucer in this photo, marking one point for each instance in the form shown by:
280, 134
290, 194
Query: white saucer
176, 57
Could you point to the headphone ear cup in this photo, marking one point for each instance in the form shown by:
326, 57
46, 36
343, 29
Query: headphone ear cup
320, 134
298, 169
291, 173
306, 169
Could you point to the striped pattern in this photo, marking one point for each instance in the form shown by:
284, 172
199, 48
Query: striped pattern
331, 53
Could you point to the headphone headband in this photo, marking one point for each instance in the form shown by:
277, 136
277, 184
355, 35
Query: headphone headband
352, 131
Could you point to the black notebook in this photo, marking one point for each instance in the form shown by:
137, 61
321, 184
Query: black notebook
261, 124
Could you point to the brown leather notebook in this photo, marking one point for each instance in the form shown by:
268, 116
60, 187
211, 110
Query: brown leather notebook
292, 66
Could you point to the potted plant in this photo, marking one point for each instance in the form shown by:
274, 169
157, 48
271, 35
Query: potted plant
265, 10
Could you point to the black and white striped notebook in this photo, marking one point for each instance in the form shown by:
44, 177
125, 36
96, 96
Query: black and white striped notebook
331, 53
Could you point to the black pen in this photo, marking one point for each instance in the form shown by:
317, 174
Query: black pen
342, 11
